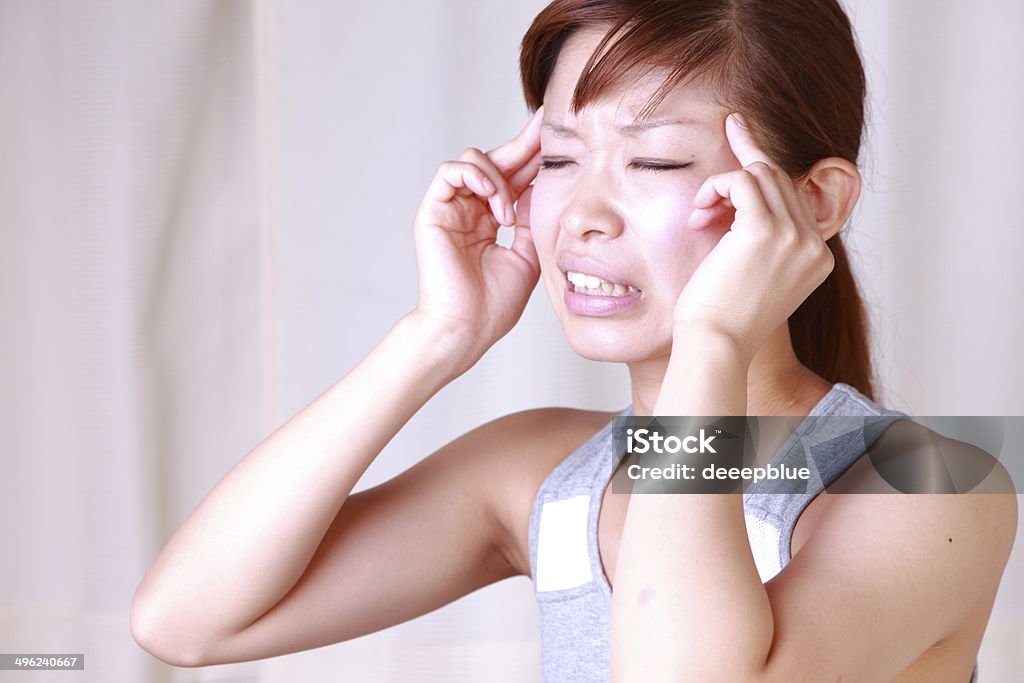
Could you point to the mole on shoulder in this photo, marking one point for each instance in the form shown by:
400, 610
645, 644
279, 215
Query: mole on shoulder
951, 540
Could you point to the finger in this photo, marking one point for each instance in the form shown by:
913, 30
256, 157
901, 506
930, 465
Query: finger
510, 156
457, 177
740, 188
798, 203
742, 142
523, 207
716, 216
520, 182
522, 242
747, 152
501, 200
525, 175
770, 180
782, 192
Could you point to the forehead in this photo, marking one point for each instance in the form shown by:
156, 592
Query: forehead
692, 100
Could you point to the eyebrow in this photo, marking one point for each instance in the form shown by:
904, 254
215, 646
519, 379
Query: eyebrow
560, 131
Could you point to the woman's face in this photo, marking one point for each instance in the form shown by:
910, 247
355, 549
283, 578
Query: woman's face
598, 208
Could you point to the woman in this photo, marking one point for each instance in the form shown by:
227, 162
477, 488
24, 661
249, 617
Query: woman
691, 167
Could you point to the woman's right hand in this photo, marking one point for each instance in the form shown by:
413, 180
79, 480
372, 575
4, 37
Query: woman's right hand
473, 287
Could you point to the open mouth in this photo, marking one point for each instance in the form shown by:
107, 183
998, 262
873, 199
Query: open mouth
591, 285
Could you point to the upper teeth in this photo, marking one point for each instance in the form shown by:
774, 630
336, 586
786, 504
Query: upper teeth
590, 284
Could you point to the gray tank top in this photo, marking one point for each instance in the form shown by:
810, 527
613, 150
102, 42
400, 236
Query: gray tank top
572, 590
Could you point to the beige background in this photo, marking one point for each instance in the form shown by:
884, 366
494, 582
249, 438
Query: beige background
206, 212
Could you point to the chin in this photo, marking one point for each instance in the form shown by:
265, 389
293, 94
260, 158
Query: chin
611, 342
612, 339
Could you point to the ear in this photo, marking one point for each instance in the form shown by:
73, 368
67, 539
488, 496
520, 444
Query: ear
832, 187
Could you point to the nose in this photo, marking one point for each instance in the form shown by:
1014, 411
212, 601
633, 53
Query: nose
591, 213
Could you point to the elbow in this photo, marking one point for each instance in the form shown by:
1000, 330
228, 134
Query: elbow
149, 630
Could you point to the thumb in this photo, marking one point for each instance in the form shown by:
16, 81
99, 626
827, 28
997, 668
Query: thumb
523, 207
522, 242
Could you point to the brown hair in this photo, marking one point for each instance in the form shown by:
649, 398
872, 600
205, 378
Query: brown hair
791, 67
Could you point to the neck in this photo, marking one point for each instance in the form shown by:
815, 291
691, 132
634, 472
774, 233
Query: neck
777, 382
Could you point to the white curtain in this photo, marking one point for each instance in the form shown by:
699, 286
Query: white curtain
206, 214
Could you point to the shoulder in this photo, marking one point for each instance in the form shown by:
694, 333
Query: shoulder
947, 534
897, 572
522, 450
536, 440
908, 457
893, 575
931, 483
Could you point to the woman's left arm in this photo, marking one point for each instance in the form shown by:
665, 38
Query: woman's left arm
875, 586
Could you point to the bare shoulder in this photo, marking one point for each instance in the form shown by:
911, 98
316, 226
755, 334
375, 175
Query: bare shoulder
533, 442
908, 457
931, 562
537, 440
979, 496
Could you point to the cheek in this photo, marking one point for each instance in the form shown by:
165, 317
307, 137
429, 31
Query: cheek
544, 216
673, 246
544, 213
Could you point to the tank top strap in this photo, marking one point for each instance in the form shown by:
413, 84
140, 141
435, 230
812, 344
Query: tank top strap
563, 510
838, 431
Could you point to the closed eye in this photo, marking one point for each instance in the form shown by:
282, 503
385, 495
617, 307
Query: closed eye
659, 167
551, 164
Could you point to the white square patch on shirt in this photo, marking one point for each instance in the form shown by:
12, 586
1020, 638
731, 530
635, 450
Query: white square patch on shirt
764, 545
563, 560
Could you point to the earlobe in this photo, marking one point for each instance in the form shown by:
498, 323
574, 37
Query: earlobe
832, 186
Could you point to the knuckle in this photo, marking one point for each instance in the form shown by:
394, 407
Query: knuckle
456, 172
767, 168
788, 235
449, 166
707, 185
825, 253
470, 153
814, 249
826, 261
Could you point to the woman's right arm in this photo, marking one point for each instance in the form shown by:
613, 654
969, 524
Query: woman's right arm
278, 557
253, 535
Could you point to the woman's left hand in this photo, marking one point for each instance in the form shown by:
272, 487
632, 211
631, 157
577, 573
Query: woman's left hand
767, 264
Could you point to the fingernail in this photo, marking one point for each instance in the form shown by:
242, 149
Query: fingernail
510, 216
488, 185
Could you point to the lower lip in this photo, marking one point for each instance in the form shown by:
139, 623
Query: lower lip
587, 304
